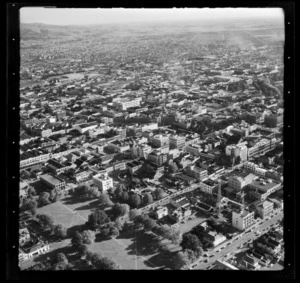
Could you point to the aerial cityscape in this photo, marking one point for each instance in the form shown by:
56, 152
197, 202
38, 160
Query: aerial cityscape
151, 140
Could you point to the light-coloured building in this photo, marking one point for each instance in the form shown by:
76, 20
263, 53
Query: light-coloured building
160, 140
177, 141
264, 209
239, 182
237, 150
208, 186
103, 182
125, 103
157, 158
161, 211
198, 173
243, 219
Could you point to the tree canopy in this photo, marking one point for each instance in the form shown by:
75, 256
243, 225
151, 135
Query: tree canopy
134, 201
120, 209
191, 242
97, 219
147, 199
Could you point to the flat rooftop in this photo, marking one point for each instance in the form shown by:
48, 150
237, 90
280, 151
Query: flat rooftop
51, 179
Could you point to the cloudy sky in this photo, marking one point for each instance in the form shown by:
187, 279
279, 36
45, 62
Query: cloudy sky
60, 16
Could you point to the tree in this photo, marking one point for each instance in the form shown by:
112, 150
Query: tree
173, 167
163, 231
147, 198
102, 263
33, 211
190, 242
149, 224
97, 218
175, 236
108, 264
44, 199
93, 192
134, 213
45, 220
82, 250
134, 200
53, 193
124, 196
60, 231
118, 192
120, 209
88, 237
31, 191
158, 193
28, 204
105, 199
77, 239
180, 260
119, 224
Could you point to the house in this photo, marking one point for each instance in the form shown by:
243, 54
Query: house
24, 236
161, 211
250, 262
23, 188
213, 238
32, 248
180, 213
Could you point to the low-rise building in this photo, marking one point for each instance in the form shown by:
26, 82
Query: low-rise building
161, 211
213, 238
262, 188
53, 182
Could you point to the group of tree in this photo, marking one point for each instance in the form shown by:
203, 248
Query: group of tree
111, 229
105, 200
158, 193
45, 221
29, 204
143, 221
85, 237
120, 210
191, 251
46, 198
169, 233
97, 219
147, 199
84, 192
61, 263
60, 231
101, 263
134, 201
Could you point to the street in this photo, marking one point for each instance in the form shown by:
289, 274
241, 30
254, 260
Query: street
236, 243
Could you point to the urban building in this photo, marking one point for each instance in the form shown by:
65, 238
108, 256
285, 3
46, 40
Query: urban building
103, 182
242, 220
53, 182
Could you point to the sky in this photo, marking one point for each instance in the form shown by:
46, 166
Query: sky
76, 16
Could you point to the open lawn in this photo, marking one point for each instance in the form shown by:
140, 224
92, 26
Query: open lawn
61, 214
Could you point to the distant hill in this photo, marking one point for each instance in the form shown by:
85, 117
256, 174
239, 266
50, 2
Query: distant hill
43, 31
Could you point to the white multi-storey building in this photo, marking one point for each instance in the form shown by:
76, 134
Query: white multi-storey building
103, 182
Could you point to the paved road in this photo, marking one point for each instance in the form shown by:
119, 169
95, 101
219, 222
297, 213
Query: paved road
236, 243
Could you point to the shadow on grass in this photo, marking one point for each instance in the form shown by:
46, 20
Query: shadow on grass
73, 229
143, 244
92, 205
163, 259
68, 251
